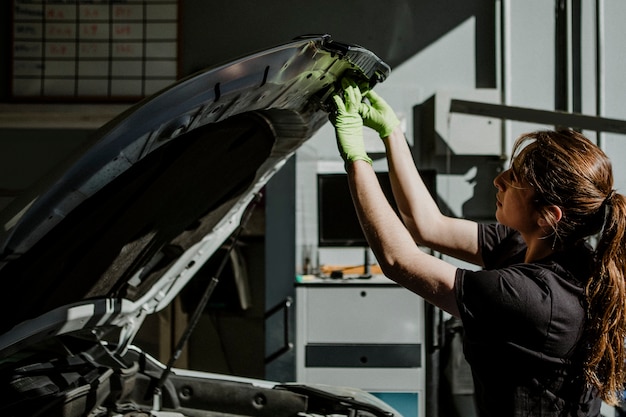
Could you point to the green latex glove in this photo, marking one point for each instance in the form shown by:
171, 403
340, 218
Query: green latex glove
348, 123
378, 115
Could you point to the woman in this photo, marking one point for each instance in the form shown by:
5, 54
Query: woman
544, 318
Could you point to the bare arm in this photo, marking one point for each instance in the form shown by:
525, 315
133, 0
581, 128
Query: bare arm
419, 211
399, 257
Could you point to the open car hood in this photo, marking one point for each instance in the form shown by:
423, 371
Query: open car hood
117, 231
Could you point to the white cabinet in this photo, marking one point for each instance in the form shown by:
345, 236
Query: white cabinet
367, 334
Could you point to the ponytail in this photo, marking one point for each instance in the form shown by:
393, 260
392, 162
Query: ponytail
606, 305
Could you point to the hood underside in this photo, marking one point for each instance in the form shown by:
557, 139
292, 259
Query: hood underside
161, 187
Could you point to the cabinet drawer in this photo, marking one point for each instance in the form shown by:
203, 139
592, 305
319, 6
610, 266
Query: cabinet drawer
363, 355
367, 314
368, 379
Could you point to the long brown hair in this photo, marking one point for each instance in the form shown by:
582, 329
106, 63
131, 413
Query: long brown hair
568, 170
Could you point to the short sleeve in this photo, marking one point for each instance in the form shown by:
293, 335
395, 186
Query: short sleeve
502, 296
500, 245
490, 294
511, 306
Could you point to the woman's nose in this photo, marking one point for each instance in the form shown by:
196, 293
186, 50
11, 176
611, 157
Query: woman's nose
497, 181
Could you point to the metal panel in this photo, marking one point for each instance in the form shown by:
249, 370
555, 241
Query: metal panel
363, 315
364, 355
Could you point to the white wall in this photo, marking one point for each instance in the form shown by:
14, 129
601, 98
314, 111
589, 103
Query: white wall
613, 93
526, 79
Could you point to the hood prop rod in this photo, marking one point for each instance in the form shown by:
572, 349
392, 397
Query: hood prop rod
195, 318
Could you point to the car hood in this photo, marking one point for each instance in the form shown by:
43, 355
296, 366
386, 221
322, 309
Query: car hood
116, 232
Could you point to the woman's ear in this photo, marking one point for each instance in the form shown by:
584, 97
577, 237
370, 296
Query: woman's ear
551, 216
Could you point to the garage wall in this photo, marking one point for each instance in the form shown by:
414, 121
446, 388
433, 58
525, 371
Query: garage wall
548, 56
499, 51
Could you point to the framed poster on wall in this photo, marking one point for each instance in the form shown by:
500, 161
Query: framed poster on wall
88, 50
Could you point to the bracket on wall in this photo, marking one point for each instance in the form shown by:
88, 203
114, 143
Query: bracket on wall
523, 114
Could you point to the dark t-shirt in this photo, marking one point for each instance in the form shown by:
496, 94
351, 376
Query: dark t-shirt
522, 324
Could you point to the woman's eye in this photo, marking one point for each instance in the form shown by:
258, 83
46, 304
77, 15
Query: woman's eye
512, 176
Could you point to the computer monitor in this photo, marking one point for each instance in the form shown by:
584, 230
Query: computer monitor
338, 224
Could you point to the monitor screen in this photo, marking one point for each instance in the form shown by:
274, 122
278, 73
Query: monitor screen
338, 224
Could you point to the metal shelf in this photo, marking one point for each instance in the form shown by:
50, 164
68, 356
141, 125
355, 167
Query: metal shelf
57, 116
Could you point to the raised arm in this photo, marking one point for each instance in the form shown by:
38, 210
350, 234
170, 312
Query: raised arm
399, 257
419, 211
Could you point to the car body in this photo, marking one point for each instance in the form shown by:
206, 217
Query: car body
117, 231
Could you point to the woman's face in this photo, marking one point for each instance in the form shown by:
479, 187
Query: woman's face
515, 205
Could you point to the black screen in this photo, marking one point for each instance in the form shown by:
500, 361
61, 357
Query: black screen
338, 224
